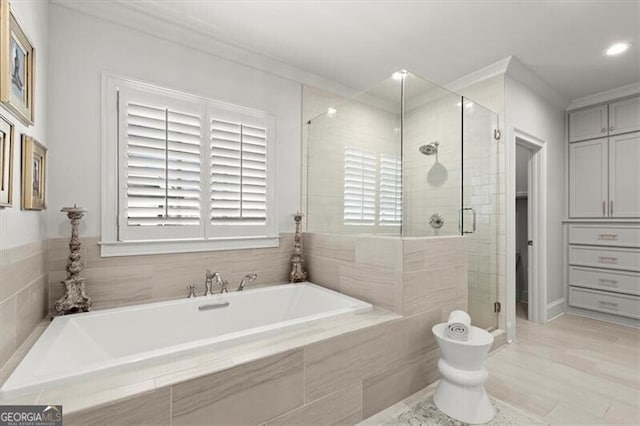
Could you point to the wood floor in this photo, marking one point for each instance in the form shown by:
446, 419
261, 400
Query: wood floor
573, 370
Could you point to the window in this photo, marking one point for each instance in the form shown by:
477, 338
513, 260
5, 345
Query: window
390, 211
183, 173
359, 186
372, 188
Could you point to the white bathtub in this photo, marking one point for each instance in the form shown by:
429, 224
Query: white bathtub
74, 347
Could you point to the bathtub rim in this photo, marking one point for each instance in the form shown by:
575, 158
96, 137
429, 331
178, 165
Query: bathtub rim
157, 356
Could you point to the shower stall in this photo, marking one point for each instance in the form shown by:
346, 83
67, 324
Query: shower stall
410, 159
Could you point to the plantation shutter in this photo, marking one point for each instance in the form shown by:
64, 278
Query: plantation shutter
160, 166
192, 170
390, 206
359, 186
238, 173
163, 167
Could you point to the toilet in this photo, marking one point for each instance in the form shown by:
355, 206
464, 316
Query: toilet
460, 393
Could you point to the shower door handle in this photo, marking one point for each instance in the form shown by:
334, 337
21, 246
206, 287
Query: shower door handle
461, 221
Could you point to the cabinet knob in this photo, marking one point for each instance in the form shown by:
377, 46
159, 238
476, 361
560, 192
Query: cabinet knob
611, 128
604, 129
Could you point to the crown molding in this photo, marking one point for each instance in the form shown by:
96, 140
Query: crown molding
605, 96
148, 18
521, 73
497, 68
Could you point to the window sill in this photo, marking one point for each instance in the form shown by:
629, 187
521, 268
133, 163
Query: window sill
139, 248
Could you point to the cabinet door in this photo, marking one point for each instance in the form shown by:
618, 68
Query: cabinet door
624, 175
588, 179
624, 116
588, 123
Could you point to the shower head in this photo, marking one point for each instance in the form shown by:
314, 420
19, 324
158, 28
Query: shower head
430, 149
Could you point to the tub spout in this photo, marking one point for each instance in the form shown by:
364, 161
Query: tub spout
222, 283
249, 278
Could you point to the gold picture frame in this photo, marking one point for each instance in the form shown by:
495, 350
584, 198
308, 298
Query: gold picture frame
34, 174
6, 162
17, 67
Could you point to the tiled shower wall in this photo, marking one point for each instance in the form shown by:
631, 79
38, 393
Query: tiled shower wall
403, 275
23, 295
129, 280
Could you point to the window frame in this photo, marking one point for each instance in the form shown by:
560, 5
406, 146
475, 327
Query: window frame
116, 240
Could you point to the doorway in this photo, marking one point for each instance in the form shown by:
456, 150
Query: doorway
530, 229
523, 158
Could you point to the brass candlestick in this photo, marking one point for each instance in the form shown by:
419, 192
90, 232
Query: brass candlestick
75, 299
298, 274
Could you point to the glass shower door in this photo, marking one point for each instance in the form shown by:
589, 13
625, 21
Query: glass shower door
481, 213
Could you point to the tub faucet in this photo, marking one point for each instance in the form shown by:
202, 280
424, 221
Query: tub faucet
249, 278
222, 283
208, 282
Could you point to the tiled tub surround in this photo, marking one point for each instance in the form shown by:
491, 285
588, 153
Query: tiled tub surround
23, 296
404, 275
132, 280
335, 371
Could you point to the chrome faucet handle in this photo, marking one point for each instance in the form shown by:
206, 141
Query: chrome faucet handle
222, 283
192, 291
249, 278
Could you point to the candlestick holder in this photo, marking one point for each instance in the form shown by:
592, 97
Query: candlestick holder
75, 298
298, 273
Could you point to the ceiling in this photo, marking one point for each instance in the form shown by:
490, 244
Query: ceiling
359, 43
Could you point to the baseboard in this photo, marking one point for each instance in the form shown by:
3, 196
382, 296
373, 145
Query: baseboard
601, 316
555, 309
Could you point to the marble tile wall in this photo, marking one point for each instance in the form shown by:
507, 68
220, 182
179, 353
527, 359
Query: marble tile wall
23, 295
403, 275
129, 280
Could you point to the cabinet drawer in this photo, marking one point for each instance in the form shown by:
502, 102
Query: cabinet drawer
605, 235
602, 279
597, 257
611, 303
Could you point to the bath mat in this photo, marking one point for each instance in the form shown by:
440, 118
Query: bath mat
424, 412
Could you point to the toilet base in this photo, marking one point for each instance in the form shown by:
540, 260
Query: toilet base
461, 395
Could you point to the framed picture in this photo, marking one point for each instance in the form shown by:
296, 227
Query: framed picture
6, 162
16, 67
34, 174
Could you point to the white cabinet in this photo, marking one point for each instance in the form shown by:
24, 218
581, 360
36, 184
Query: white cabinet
588, 123
624, 116
604, 271
604, 177
624, 175
615, 118
588, 179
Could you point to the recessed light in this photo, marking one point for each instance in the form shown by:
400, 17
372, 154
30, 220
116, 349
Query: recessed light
617, 48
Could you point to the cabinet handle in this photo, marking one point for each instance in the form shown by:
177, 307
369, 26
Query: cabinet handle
611, 208
609, 283
608, 259
611, 128
604, 208
608, 305
608, 237
604, 129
